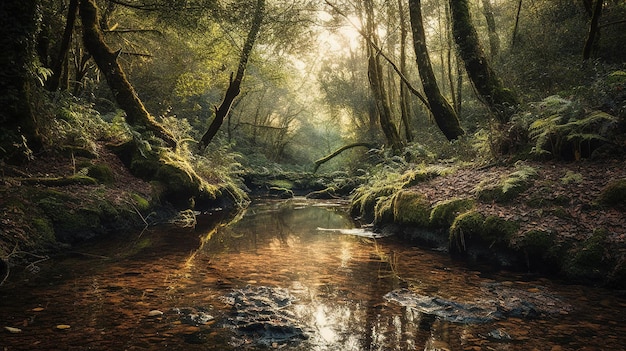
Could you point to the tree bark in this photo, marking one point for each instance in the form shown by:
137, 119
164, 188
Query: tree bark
329, 157
442, 112
376, 81
500, 100
515, 27
106, 59
405, 106
60, 64
234, 87
18, 124
494, 41
593, 30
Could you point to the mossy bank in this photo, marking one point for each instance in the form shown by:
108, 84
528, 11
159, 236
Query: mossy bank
561, 219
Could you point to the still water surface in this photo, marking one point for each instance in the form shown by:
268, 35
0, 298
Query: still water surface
284, 276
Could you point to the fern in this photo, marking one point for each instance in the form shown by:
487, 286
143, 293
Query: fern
561, 122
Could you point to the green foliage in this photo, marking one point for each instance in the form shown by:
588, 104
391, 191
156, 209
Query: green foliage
562, 127
508, 187
571, 178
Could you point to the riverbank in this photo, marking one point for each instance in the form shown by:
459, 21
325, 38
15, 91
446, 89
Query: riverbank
59, 199
563, 219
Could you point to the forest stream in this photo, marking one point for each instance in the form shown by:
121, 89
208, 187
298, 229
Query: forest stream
295, 275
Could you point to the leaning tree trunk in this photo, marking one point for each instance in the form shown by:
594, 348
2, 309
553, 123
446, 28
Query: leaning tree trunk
500, 100
19, 130
106, 59
234, 88
442, 112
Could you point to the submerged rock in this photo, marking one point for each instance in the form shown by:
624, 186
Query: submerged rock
497, 302
262, 312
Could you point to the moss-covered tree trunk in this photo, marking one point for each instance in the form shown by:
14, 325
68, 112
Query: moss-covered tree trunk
19, 130
500, 100
442, 112
106, 59
405, 106
377, 83
494, 40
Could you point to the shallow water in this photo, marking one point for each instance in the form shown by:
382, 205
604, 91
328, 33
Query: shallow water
307, 268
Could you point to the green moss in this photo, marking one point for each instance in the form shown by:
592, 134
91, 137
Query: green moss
281, 193
614, 193
102, 173
589, 261
43, 228
466, 226
444, 212
497, 230
281, 183
415, 176
363, 203
507, 188
411, 208
383, 212
142, 203
537, 244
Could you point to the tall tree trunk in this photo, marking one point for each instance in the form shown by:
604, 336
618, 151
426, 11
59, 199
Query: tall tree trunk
106, 59
60, 64
500, 100
443, 113
18, 124
516, 25
376, 81
405, 106
593, 30
494, 41
234, 88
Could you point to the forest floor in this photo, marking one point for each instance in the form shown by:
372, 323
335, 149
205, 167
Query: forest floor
565, 200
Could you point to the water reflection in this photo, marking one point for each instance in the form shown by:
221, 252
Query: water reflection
297, 248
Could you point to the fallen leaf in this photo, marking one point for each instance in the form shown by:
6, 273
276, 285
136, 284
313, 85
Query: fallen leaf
38, 309
63, 326
13, 330
154, 313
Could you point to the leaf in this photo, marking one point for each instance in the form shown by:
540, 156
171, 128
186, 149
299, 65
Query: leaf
38, 309
155, 313
63, 326
13, 330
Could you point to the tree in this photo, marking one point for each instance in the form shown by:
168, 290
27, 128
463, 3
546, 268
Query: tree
377, 82
19, 127
593, 30
234, 87
500, 100
106, 59
442, 112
